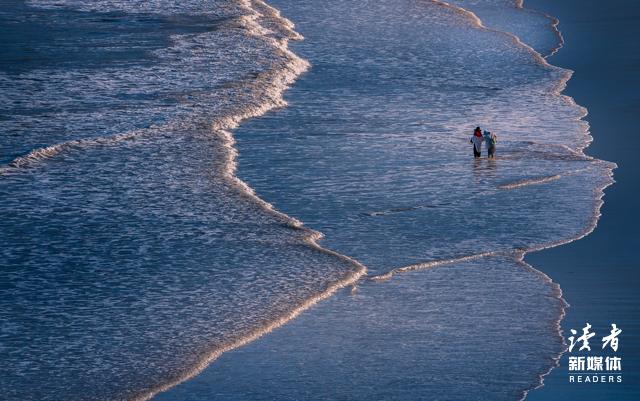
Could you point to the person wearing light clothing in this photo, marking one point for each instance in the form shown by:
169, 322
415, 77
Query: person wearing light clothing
490, 139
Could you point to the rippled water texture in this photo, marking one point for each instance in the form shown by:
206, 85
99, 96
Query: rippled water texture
132, 256
427, 335
373, 151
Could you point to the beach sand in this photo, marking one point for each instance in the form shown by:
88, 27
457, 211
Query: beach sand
598, 274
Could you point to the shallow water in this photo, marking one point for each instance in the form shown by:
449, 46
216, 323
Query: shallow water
426, 335
372, 151
129, 250
134, 256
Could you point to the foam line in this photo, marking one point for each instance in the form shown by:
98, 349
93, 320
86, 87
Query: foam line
36, 156
270, 86
276, 82
557, 293
530, 181
517, 255
598, 194
521, 253
430, 265
314, 236
280, 80
398, 210
206, 360
542, 180
554, 22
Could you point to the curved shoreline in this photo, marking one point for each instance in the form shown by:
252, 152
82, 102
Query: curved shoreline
281, 80
519, 4
598, 192
271, 85
314, 236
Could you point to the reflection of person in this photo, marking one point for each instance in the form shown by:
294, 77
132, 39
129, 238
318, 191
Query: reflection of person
491, 139
476, 140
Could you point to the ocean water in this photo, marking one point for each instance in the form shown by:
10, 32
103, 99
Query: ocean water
150, 227
130, 253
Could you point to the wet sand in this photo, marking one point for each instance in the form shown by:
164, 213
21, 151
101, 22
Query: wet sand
598, 274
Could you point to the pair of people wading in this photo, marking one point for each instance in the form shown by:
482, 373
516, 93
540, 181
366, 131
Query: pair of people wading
490, 138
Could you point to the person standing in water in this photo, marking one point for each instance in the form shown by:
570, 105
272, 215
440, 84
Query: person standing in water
476, 140
491, 139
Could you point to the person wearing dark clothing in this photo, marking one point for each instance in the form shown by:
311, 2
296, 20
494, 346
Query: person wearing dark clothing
476, 140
